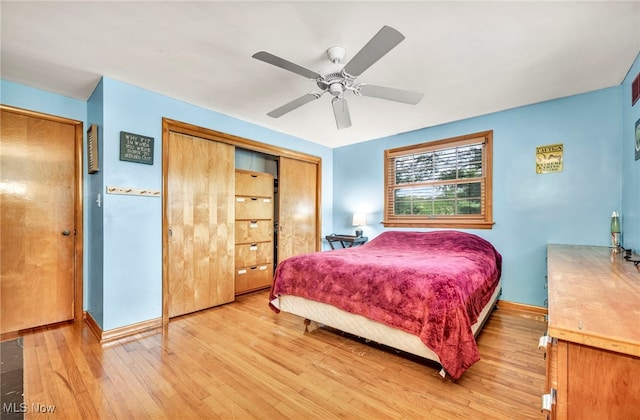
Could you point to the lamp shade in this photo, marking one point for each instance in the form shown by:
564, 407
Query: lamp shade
359, 219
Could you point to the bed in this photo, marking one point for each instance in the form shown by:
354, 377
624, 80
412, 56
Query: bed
424, 293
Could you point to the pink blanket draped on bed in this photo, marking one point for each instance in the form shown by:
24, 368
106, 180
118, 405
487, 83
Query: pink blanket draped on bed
431, 284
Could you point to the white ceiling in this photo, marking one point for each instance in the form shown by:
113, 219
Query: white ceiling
468, 58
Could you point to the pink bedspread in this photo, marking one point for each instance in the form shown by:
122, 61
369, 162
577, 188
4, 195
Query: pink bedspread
431, 284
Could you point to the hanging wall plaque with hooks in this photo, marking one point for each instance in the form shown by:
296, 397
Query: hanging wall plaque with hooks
133, 191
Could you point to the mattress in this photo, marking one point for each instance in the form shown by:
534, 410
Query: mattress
358, 325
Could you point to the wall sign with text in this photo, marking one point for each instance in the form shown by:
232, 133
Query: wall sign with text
136, 148
549, 158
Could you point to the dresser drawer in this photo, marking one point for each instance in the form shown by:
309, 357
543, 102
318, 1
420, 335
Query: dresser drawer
254, 184
253, 208
253, 277
251, 254
251, 231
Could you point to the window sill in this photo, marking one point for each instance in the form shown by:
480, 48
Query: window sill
451, 224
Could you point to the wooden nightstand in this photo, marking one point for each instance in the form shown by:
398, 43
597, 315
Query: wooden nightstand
347, 241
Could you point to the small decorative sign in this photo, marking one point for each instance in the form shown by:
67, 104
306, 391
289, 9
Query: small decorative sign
549, 158
136, 148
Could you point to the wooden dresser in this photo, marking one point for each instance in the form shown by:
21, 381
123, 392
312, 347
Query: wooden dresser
593, 342
254, 230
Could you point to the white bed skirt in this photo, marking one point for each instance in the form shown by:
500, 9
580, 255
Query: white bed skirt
360, 326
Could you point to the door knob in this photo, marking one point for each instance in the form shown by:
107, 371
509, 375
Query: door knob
66, 233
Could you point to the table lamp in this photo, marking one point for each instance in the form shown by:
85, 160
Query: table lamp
359, 220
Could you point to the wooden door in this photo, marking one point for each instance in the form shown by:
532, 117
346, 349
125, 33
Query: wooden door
298, 213
37, 204
200, 220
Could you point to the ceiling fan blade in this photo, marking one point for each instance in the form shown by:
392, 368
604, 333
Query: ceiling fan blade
381, 43
390, 94
285, 64
290, 106
341, 112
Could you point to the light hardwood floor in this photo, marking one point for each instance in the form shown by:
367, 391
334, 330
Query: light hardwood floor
241, 360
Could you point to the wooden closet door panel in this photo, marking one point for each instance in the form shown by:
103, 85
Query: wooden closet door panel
298, 207
37, 199
200, 214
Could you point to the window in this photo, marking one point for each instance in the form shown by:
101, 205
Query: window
445, 183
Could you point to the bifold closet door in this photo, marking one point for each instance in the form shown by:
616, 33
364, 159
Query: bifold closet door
298, 207
200, 215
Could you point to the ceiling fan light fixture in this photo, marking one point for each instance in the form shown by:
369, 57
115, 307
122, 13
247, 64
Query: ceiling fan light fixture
337, 78
336, 89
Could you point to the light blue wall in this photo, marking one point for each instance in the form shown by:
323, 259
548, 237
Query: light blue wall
124, 286
630, 167
132, 224
21, 96
123, 236
573, 206
94, 193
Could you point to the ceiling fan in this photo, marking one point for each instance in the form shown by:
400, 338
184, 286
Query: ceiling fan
338, 78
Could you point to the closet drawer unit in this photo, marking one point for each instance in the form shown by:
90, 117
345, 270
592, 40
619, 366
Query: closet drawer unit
254, 208
254, 184
251, 231
253, 278
254, 253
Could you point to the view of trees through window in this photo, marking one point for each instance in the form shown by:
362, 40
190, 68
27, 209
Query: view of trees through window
439, 182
